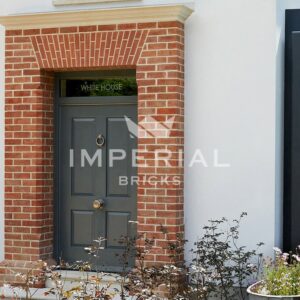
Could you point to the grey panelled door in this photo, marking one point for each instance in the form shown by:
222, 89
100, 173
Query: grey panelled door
94, 134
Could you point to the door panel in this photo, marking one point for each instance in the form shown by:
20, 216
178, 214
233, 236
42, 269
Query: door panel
82, 229
119, 140
81, 184
114, 232
82, 133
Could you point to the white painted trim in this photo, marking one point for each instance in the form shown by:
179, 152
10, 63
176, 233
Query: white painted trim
98, 17
72, 2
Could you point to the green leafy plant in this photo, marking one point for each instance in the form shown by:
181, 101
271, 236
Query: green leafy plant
281, 275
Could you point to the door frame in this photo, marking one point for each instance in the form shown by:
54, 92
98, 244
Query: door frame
292, 25
71, 101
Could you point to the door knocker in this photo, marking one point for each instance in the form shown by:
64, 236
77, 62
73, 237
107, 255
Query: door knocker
100, 140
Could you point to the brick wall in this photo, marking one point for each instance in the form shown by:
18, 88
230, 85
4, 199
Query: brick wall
32, 56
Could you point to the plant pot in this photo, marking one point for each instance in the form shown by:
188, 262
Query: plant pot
255, 296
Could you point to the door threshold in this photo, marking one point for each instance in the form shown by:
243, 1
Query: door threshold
77, 276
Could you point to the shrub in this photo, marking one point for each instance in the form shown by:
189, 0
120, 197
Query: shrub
218, 265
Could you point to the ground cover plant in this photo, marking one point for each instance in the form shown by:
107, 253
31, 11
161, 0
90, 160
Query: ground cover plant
281, 275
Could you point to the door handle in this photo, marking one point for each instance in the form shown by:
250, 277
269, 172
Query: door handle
98, 204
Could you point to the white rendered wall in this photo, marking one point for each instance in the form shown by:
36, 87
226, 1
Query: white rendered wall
230, 106
234, 57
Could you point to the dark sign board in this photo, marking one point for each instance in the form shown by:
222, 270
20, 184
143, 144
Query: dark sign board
98, 87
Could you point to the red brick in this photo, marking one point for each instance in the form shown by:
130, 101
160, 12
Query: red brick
169, 24
68, 29
13, 32
158, 59
147, 25
156, 75
21, 39
50, 30
31, 31
124, 26
107, 27
87, 28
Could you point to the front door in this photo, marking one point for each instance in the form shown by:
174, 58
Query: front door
94, 165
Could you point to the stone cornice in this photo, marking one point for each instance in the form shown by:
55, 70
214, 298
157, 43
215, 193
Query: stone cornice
98, 17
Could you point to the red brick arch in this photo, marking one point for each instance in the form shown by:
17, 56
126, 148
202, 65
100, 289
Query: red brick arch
105, 48
32, 56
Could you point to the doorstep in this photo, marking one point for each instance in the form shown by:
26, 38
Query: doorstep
71, 279
77, 276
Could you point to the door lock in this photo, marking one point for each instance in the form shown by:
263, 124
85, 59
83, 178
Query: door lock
98, 204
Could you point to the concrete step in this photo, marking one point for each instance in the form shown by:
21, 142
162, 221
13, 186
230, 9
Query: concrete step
70, 280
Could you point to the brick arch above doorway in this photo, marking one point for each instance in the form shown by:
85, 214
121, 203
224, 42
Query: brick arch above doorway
89, 47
